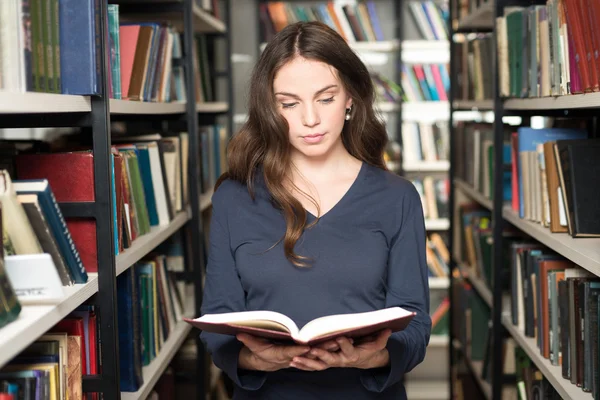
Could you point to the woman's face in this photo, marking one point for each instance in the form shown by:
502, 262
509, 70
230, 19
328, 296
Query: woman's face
312, 99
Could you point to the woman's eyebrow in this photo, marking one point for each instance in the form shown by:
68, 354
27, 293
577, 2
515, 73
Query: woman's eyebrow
316, 94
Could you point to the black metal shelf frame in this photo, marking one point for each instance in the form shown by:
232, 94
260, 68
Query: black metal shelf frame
97, 124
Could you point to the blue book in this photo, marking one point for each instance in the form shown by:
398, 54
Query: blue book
375, 20
80, 57
131, 378
529, 138
146, 173
57, 224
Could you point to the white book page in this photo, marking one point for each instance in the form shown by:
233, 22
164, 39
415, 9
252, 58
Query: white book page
257, 319
333, 323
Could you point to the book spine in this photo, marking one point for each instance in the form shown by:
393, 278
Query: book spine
56, 44
63, 235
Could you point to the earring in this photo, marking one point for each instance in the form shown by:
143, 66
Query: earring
348, 113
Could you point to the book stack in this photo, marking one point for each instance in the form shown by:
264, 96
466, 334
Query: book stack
425, 82
434, 194
425, 141
151, 303
148, 179
40, 53
475, 79
552, 169
430, 18
354, 21
555, 303
438, 256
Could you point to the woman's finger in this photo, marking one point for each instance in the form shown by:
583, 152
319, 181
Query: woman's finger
312, 365
329, 358
346, 347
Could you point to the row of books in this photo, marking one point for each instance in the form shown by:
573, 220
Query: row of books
434, 194
552, 299
422, 141
425, 82
51, 46
551, 176
149, 182
213, 148
549, 49
474, 79
556, 303
53, 366
438, 256
430, 18
475, 166
151, 303
547, 173
355, 21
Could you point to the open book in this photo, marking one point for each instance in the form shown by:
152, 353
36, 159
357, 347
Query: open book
274, 325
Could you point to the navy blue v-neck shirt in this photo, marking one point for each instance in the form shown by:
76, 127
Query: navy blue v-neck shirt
368, 253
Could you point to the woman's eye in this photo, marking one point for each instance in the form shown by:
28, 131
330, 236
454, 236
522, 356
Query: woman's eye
288, 105
327, 101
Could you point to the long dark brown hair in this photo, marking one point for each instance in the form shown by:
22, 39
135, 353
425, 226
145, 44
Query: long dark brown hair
264, 139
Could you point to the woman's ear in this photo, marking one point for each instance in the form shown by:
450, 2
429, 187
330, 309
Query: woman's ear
349, 102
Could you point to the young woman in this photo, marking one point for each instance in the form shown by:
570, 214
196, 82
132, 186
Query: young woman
308, 222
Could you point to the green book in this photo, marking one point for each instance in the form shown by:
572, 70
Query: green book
10, 307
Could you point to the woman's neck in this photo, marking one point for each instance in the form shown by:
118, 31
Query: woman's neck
325, 168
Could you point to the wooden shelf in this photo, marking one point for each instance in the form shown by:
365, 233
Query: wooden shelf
441, 224
36, 320
387, 107
479, 284
426, 51
206, 200
146, 243
118, 107
425, 111
473, 105
574, 101
426, 166
212, 107
585, 252
427, 390
33, 103
439, 283
153, 372
553, 373
481, 18
475, 195
384, 46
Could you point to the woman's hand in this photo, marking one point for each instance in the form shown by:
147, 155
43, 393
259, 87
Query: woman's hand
263, 355
372, 354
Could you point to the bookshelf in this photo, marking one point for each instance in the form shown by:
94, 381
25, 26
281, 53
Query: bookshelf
511, 228
95, 115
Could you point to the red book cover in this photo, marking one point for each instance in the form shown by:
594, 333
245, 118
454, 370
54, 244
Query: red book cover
71, 177
575, 32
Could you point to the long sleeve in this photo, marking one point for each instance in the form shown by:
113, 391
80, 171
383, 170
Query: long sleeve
223, 292
407, 287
